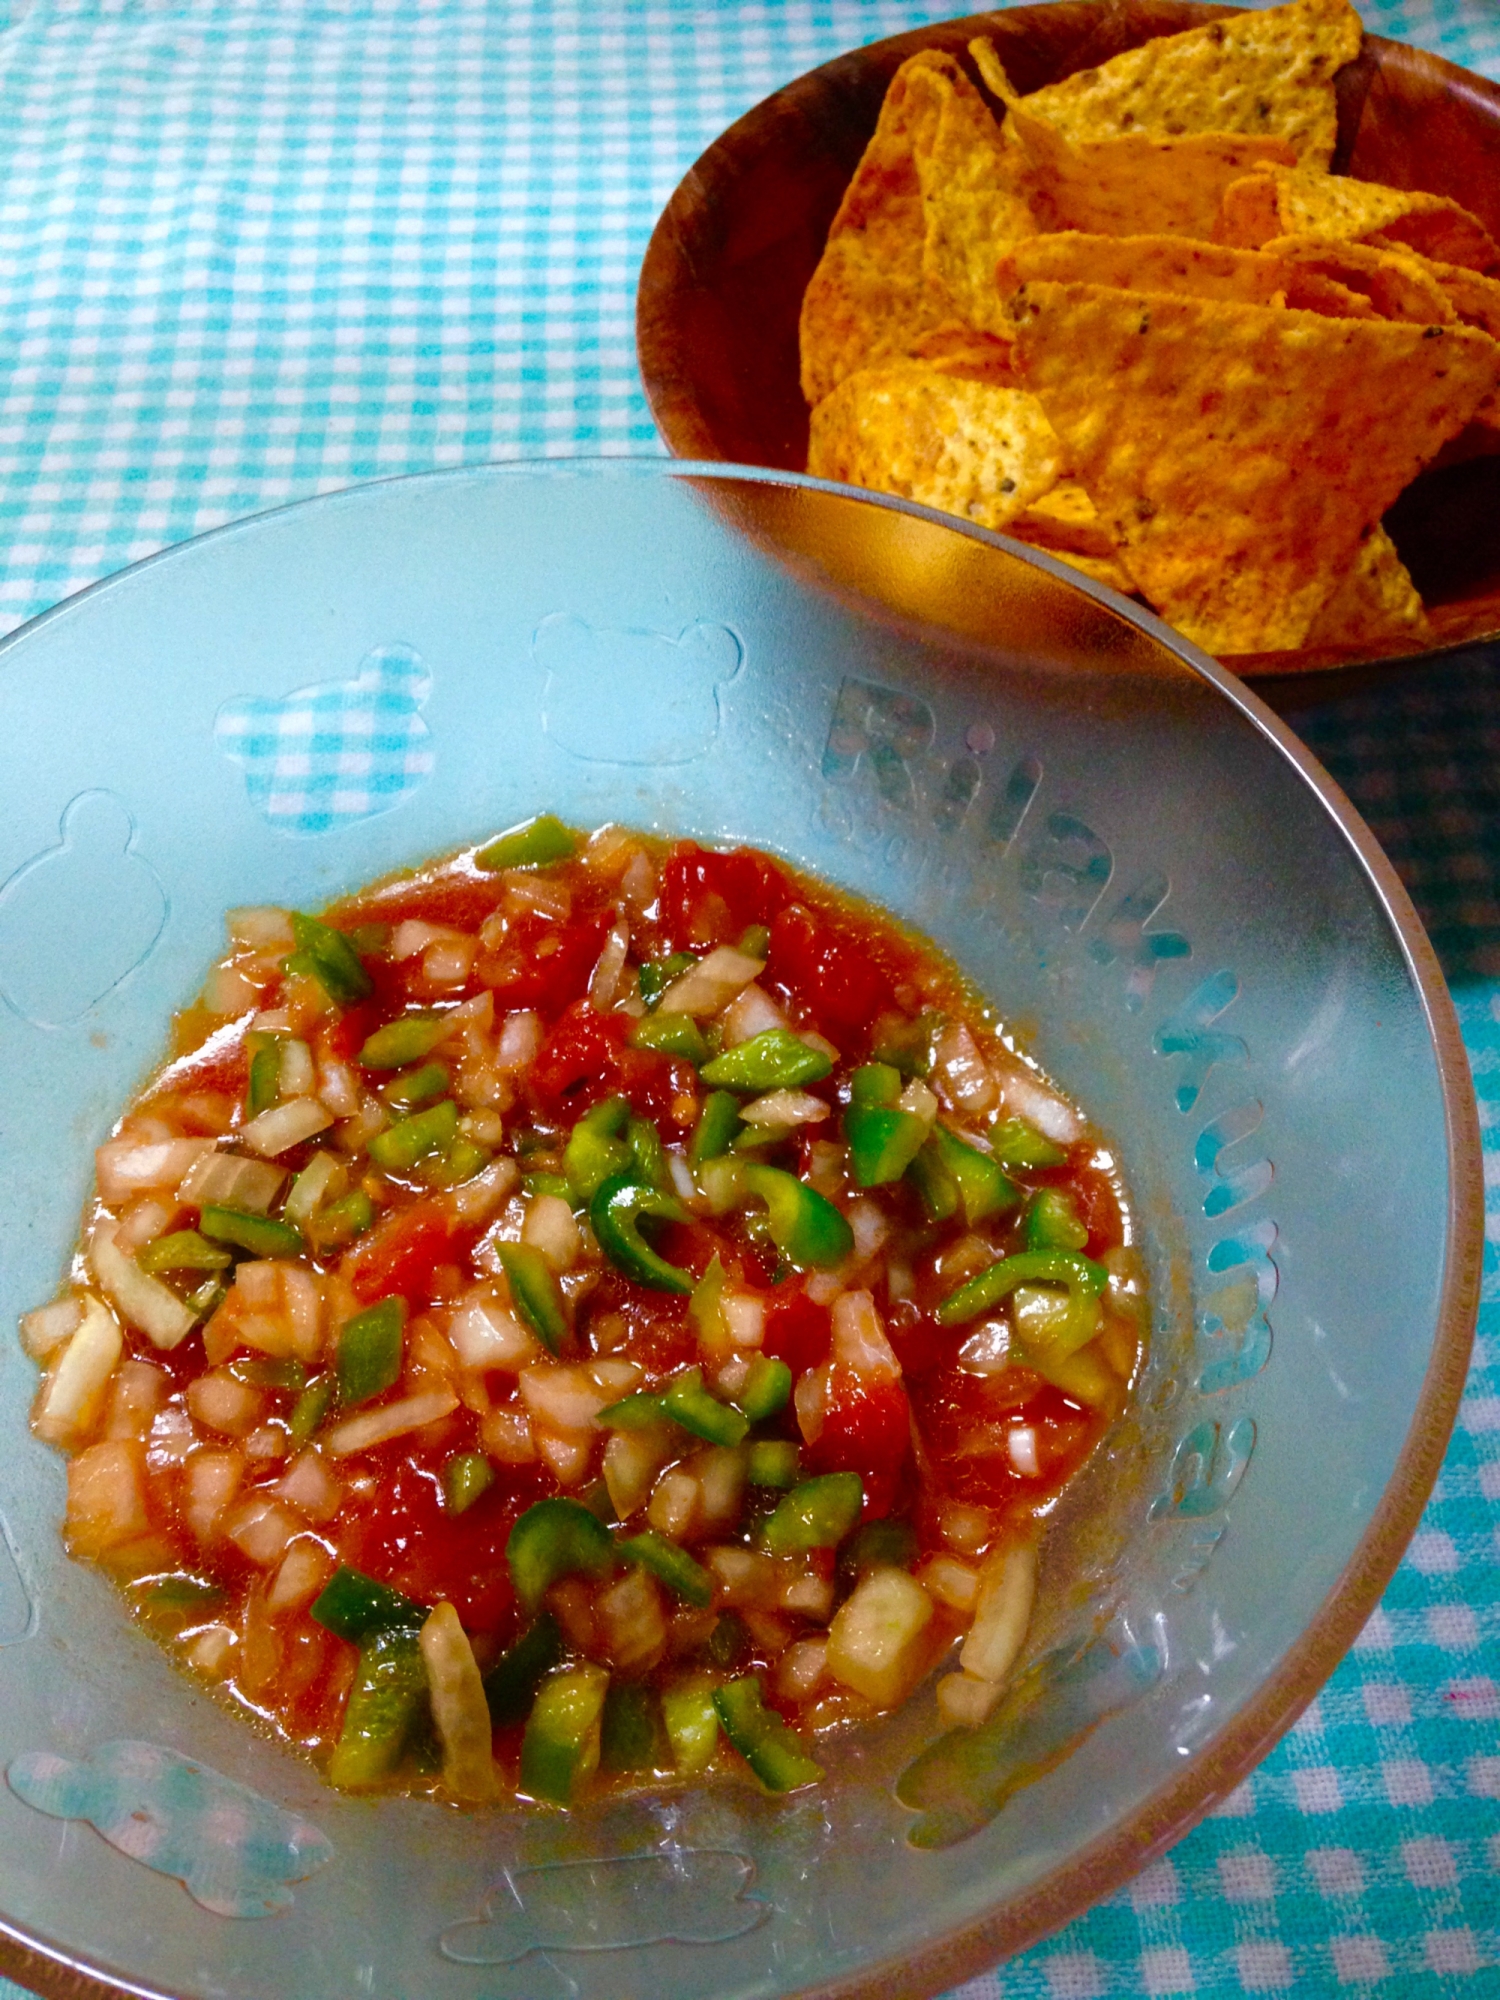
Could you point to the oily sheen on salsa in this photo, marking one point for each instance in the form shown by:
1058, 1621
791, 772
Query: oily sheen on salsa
594, 1311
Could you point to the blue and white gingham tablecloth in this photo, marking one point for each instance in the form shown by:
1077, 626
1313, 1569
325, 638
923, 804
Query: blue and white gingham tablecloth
255, 250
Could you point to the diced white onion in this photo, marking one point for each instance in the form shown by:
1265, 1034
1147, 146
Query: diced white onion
298, 1075
448, 962
632, 1460
604, 984
1020, 1443
986, 1351
875, 1643
260, 1529
964, 1700
712, 983
141, 1299
49, 1326
477, 1199
392, 1420
323, 1179
124, 1168
520, 1040
338, 1086
561, 1397
310, 1487
785, 1107
683, 1184
261, 928
286, 1125
950, 1582
744, 1317
228, 991
616, 1377
506, 1437
751, 1014
144, 1219
230, 1180
868, 1221
1007, 1586
486, 1334
810, 1400
960, 1071
305, 1568
859, 1341
413, 936
459, 1708
74, 1393
550, 1227
566, 1452
919, 1101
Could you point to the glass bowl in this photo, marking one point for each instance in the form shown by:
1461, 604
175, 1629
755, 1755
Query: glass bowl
1162, 892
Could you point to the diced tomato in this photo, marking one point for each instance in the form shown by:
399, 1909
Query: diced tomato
712, 899
659, 1087
580, 1061
543, 965
1099, 1208
402, 1254
341, 1040
402, 1535
820, 965
965, 1422
866, 1429
919, 1342
457, 900
798, 1331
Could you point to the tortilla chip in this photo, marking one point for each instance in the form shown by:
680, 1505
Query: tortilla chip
1103, 569
1239, 453
1066, 520
961, 446
1376, 602
1143, 264
963, 350
1136, 185
1397, 284
1476, 300
1267, 71
915, 239
1281, 201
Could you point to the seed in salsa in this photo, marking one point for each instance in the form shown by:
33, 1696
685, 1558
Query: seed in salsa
593, 1311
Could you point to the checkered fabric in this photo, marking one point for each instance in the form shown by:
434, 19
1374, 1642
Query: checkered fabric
252, 250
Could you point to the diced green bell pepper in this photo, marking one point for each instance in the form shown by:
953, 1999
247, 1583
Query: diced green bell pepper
350, 1216
535, 1293
400, 1043
883, 1142
717, 1124
597, 1148
463, 1159
648, 1153
465, 1476
557, 1184
729, 1642
310, 1408
617, 1211
772, 1462
560, 1750
953, 1177
773, 1751
183, 1250
687, 1402
354, 1606
1083, 1278
368, 1353
332, 960
510, 1685
555, 1538
689, 1580
630, 1729
386, 1700
265, 1371
657, 974
671, 1035
535, 843
805, 1226
875, 1084
1017, 1144
768, 1388
879, 1545
634, 1413
261, 1235
398, 1148
692, 1723
209, 1296
1053, 1222
756, 942
417, 1087
815, 1515
263, 1083
776, 1059
909, 1050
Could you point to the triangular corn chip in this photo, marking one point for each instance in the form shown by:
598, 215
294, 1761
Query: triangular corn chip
1064, 519
1397, 284
1377, 601
916, 236
1278, 201
966, 447
1239, 453
1103, 569
1266, 71
1134, 184
1143, 264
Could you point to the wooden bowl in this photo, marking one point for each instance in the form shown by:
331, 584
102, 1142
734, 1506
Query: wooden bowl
723, 278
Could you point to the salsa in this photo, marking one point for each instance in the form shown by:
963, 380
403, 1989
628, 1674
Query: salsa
592, 1311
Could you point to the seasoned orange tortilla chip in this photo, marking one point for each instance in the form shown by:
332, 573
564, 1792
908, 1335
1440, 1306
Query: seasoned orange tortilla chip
1239, 453
963, 350
916, 236
1282, 201
1134, 184
1476, 300
1142, 264
1065, 519
1266, 71
962, 446
1103, 569
1375, 603
1396, 283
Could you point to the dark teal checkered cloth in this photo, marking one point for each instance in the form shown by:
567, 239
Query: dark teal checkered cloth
252, 250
